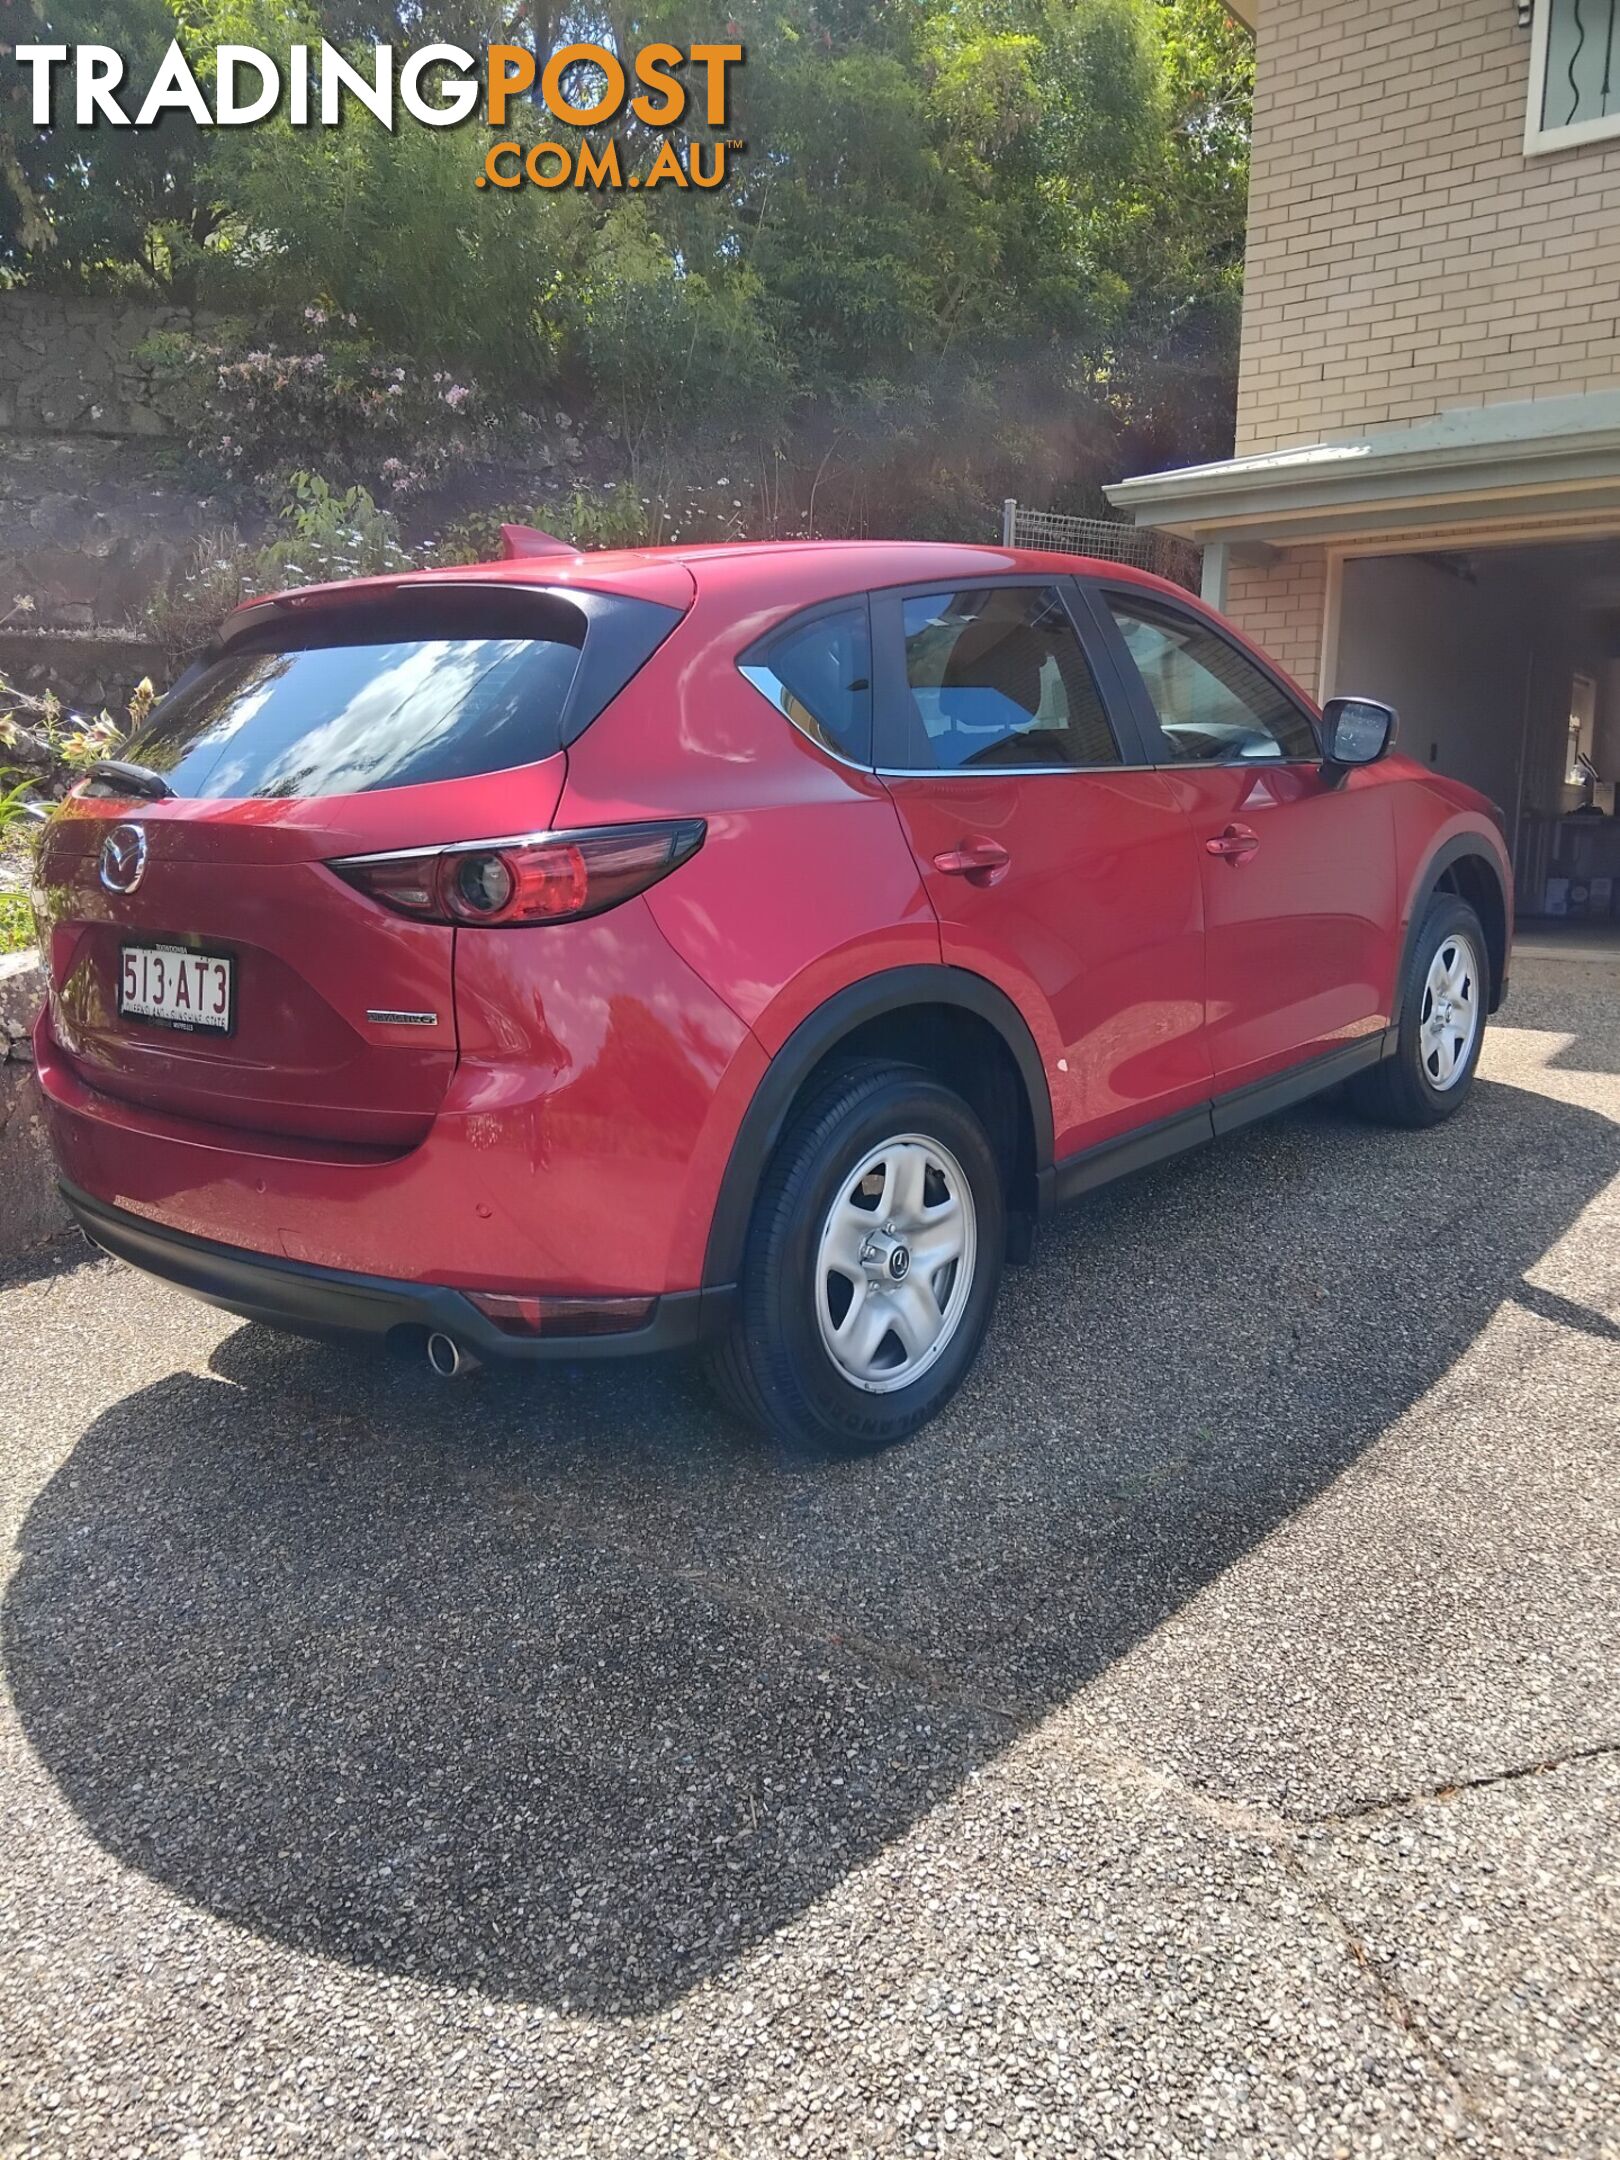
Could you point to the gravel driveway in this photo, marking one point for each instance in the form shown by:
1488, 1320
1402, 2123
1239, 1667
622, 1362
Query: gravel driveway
1203, 1741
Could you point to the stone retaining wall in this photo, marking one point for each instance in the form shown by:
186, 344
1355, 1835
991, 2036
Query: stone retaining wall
86, 669
69, 365
31, 1209
98, 499
91, 529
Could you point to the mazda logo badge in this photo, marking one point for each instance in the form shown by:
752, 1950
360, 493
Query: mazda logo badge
123, 858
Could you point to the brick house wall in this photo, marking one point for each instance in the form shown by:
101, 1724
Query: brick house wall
1405, 257
1281, 608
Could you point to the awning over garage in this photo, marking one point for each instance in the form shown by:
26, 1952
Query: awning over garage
1544, 466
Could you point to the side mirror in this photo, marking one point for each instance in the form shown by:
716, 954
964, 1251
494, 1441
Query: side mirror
1356, 731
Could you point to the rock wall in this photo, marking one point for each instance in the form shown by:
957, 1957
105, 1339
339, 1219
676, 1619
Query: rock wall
89, 670
30, 1207
70, 366
89, 529
97, 504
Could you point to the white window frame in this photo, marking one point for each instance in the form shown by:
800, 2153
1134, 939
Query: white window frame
1539, 140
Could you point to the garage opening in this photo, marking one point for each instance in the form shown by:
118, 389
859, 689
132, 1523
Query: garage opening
1505, 665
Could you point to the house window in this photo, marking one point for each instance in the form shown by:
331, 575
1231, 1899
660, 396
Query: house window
1574, 74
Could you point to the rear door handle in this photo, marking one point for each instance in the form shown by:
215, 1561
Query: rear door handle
979, 859
1236, 844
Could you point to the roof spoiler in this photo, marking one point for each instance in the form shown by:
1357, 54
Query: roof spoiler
519, 540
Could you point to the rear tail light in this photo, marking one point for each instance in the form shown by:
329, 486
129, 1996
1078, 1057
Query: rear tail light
543, 878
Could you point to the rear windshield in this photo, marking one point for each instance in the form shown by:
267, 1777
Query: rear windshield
439, 687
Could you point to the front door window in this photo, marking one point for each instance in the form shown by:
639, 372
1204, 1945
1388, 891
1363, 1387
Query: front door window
1214, 705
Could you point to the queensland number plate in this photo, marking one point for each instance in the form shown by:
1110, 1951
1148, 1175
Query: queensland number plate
177, 988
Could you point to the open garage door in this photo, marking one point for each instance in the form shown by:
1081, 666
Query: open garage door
1505, 665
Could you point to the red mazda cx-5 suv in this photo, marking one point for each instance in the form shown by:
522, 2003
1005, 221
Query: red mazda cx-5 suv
586, 954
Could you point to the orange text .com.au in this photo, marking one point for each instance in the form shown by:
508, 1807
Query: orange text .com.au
554, 165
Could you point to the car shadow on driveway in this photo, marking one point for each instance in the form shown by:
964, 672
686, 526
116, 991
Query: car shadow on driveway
558, 1686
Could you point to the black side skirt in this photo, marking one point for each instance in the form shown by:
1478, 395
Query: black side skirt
1083, 1173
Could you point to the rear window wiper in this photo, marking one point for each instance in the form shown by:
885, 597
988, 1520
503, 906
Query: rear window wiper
127, 778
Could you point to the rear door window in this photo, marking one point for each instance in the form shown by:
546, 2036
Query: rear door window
343, 701
995, 677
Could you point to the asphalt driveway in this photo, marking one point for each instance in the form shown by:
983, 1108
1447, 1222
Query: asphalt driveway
1205, 1740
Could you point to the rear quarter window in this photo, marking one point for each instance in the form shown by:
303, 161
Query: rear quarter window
437, 686
817, 672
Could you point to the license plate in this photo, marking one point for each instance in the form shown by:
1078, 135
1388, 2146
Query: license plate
177, 988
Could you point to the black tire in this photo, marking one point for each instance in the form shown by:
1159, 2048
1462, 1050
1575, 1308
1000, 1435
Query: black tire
1401, 1090
772, 1367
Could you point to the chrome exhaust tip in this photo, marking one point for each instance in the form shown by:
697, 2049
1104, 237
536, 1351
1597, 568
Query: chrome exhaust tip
447, 1358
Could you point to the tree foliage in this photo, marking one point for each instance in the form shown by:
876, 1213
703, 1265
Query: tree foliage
975, 248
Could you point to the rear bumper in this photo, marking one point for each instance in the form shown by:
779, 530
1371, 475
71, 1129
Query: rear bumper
546, 1172
307, 1300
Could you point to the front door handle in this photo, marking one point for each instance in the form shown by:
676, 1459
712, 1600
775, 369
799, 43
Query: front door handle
977, 859
1235, 845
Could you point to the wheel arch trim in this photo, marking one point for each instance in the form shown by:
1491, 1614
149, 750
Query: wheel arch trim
873, 997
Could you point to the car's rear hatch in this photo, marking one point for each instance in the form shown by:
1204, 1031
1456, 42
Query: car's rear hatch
205, 960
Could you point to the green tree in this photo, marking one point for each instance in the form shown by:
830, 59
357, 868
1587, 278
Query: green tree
134, 205
975, 247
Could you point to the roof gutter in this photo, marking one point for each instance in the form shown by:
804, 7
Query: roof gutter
1335, 489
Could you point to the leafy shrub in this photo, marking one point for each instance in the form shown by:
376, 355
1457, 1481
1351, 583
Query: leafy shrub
324, 534
609, 517
618, 516
331, 534
676, 355
215, 576
16, 922
44, 748
15, 805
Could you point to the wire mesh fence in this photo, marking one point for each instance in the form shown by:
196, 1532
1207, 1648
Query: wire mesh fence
1110, 539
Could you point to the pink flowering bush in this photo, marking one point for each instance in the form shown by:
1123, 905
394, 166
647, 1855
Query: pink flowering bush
392, 425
